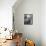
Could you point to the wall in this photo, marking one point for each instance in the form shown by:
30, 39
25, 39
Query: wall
30, 31
6, 13
43, 22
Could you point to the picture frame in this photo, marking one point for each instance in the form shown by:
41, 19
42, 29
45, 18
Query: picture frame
28, 19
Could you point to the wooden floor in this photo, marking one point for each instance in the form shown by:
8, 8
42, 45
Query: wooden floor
9, 43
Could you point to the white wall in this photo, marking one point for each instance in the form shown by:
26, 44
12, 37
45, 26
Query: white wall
30, 31
6, 13
43, 22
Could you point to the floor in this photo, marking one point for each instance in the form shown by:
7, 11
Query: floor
12, 42
9, 43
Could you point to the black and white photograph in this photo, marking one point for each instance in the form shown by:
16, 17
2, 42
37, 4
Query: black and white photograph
28, 19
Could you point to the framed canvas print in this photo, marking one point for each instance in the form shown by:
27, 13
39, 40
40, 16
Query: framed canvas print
28, 19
